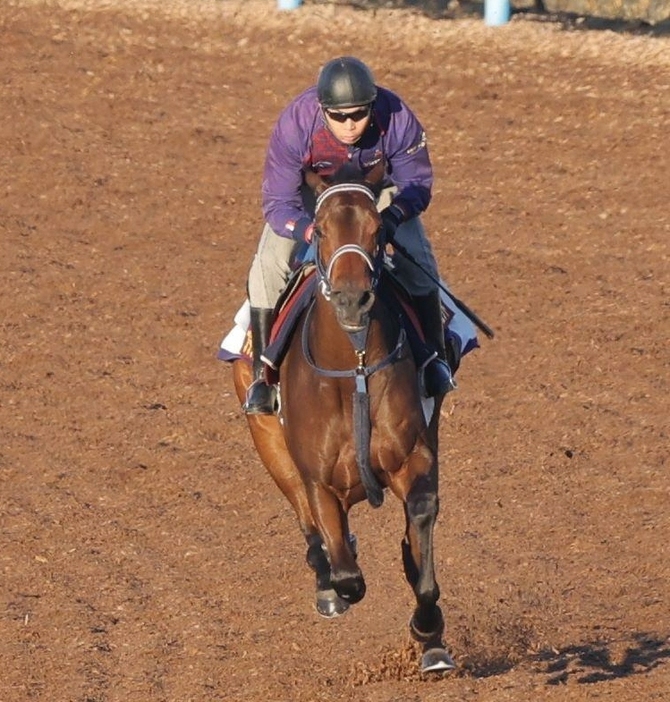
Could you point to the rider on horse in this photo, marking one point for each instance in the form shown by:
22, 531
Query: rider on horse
346, 119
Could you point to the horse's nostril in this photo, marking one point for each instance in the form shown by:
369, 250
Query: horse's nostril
352, 301
366, 300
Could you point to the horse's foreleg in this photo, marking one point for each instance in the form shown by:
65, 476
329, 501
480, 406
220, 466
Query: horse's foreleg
345, 575
328, 603
421, 510
268, 437
271, 447
270, 444
427, 623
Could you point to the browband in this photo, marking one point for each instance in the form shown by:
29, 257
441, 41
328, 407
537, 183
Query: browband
343, 188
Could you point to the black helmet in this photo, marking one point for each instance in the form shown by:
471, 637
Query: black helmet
345, 82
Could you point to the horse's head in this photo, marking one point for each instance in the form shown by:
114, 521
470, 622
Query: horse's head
348, 243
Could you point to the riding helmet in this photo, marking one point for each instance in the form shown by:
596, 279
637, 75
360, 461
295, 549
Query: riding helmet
345, 82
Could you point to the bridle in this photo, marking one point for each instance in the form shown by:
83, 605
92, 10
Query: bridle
374, 263
324, 272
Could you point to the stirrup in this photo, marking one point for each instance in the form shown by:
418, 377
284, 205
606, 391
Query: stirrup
261, 398
437, 378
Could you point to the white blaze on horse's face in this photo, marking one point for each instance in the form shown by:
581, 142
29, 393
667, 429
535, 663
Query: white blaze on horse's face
347, 245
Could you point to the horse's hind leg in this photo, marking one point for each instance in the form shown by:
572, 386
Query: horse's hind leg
427, 623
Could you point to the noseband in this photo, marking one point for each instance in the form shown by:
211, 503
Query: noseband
324, 273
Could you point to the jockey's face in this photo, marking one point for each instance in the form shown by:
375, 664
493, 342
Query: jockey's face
348, 123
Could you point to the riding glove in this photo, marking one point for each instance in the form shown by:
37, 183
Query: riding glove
392, 216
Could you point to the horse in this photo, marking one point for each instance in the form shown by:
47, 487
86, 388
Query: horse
352, 423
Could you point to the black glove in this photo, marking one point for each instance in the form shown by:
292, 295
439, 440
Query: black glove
392, 216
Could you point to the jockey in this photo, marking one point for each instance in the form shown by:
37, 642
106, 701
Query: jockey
346, 119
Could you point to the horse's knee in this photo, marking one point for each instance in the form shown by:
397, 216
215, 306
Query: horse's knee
422, 508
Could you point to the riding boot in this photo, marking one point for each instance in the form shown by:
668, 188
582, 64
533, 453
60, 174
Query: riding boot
439, 372
261, 397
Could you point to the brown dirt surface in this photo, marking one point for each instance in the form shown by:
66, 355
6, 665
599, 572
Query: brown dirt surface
145, 554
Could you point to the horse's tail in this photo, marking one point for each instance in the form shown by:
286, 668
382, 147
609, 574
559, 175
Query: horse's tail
362, 430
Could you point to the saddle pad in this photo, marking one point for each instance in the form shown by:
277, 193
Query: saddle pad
237, 343
287, 315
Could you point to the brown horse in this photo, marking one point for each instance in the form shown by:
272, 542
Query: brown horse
351, 422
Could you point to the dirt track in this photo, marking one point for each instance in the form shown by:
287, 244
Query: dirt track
144, 553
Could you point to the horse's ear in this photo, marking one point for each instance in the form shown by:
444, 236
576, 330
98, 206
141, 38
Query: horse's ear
314, 181
375, 176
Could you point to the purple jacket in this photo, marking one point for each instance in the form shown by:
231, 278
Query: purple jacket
301, 140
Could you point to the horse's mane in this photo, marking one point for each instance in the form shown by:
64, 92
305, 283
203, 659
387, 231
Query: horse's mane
349, 173
346, 173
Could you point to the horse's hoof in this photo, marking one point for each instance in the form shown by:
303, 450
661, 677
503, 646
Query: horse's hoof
437, 660
329, 604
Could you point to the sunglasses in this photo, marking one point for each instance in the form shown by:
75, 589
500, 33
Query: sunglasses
355, 116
